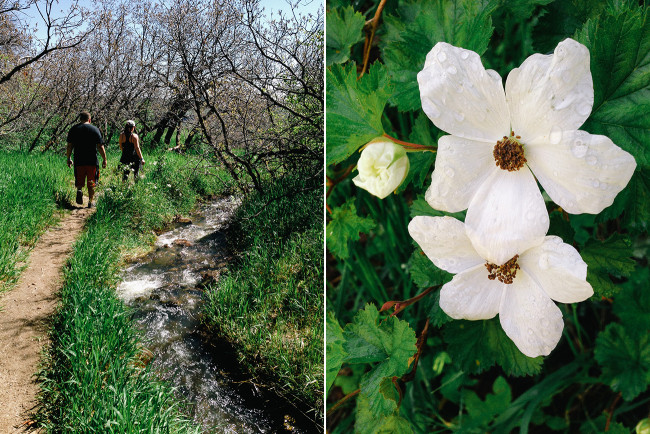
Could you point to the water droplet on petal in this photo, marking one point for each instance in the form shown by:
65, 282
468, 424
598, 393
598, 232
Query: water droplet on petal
464, 54
459, 116
443, 190
449, 172
555, 173
579, 148
555, 135
603, 186
543, 261
442, 56
530, 331
452, 70
530, 214
596, 183
591, 160
545, 322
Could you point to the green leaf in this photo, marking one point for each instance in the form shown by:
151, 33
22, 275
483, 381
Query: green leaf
436, 315
520, 10
344, 28
560, 227
475, 346
481, 413
421, 207
561, 20
367, 340
369, 422
418, 26
354, 108
344, 227
612, 257
421, 162
333, 349
424, 273
625, 360
633, 203
632, 304
391, 343
619, 47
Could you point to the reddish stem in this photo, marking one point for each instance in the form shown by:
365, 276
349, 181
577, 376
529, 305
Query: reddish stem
368, 44
411, 145
342, 401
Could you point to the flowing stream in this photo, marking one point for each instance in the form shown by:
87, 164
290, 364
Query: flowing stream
163, 288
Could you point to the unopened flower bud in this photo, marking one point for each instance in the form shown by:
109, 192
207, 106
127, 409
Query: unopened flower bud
382, 167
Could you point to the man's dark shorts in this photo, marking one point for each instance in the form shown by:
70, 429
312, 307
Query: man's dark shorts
86, 173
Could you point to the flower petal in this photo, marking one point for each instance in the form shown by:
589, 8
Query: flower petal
551, 93
530, 318
461, 97
507, 216
445, 243
462, 165
583, 172
471, 295
558, 269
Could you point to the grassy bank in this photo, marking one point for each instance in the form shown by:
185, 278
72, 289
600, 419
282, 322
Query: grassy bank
94, 378
30, 188
271, 302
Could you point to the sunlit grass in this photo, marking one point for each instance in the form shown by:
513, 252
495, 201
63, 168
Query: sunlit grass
30, 188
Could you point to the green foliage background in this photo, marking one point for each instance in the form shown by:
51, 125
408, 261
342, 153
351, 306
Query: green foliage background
470, 377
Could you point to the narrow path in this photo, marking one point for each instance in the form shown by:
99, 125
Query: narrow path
25, 312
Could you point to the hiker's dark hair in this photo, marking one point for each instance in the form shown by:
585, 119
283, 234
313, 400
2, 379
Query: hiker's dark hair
84, 116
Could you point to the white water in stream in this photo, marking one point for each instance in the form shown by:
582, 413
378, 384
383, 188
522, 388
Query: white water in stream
162, 288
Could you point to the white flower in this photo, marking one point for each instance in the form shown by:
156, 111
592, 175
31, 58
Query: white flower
520, 291
498, 137
383, 166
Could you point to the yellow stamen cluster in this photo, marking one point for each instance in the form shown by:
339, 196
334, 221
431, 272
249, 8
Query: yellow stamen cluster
509, 154
505, 273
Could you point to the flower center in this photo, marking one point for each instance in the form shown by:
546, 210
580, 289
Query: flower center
505, 273
509, 154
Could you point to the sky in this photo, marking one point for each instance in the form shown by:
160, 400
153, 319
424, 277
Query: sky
270, 6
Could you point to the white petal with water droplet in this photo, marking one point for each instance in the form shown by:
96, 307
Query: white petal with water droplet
572, 172
557, 91
471, 295
445, 243
558, 269
481, 113
526, 307
496, 221
461, 166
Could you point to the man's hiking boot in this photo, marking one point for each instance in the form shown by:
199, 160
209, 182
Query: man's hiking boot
80, 197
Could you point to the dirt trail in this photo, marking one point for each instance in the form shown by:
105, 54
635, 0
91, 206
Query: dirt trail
25, 312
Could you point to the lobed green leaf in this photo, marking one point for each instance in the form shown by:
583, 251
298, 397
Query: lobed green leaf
418, 26
333, 349
344, 227
612, 257
619, 47
475, 346
625, 360
354, 108
344, 27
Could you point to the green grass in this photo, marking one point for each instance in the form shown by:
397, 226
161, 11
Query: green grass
30, 188
94, 378
271, 303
